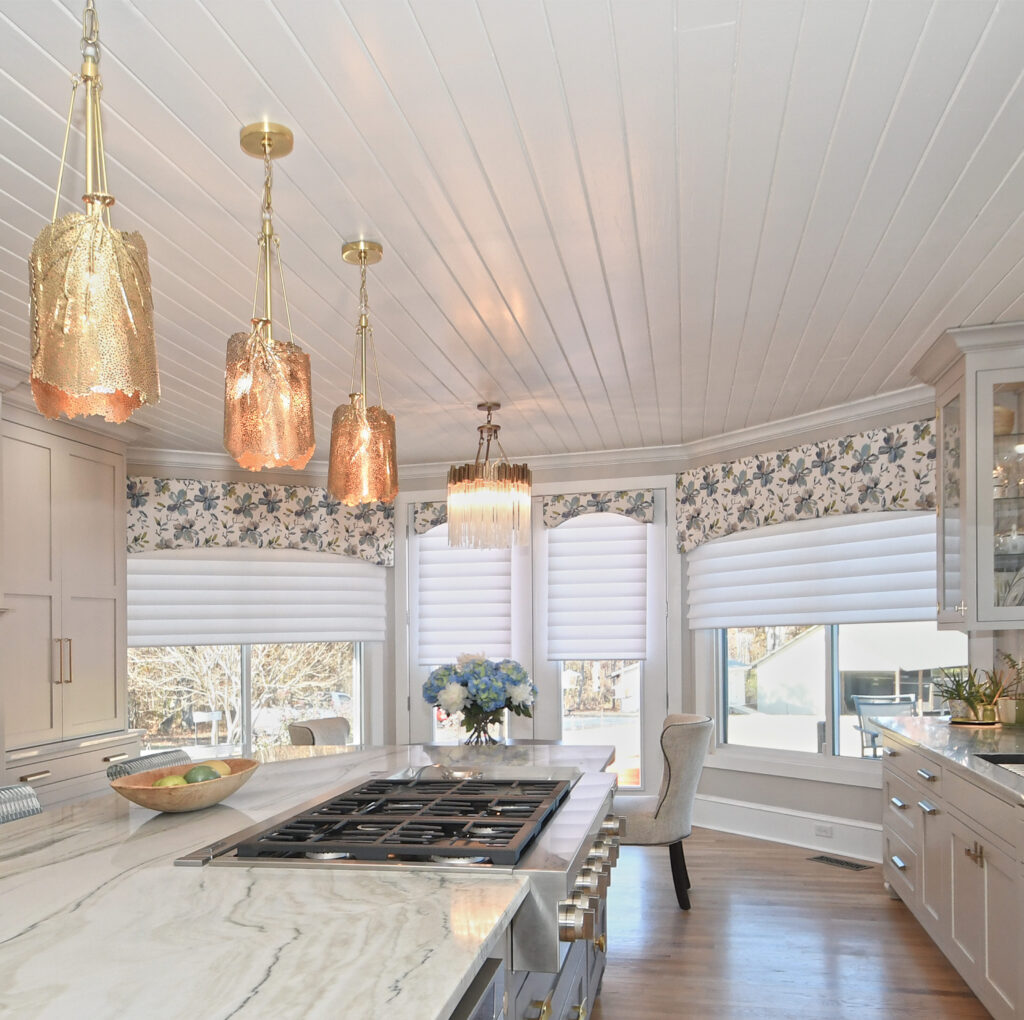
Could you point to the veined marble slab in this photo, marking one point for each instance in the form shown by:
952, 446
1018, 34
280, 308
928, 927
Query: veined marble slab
95, 921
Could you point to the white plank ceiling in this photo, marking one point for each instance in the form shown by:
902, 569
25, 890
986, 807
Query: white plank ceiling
633, 222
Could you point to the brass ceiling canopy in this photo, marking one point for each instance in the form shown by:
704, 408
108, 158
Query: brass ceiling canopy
489, 500
91, 314
268, 402
363, 465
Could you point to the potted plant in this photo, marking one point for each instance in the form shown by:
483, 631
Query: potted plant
971, 695
1011, 704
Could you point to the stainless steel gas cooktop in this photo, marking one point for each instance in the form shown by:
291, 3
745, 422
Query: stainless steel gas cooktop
465, 821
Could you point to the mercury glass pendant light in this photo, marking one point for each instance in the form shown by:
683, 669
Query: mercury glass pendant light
488, 500
93, 348
363, 466
268, 403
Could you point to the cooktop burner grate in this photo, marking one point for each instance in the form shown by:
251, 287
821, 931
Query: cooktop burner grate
476, 820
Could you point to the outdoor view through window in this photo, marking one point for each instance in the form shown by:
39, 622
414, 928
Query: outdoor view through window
200, 695
778, 680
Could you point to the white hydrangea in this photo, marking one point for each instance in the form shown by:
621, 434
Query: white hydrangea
452, 697
521, 694
470, 659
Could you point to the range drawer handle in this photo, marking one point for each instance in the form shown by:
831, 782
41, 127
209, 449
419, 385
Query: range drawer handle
116, 757
928, 777
34, 775
928, 809
897, 863
900, 805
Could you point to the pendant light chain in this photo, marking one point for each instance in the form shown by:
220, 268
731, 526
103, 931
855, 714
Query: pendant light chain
364, 333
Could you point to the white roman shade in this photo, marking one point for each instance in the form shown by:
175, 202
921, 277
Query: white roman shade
463, 600
238, 596
597, 588
862, 568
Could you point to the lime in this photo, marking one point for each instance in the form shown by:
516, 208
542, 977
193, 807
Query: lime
200, 774
171, 781
222, 768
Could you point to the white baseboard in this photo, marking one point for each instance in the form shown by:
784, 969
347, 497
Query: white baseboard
849, 838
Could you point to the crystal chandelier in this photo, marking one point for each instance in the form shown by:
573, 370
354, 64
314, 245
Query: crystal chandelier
93, 348
268, 404
488, 501
363, 465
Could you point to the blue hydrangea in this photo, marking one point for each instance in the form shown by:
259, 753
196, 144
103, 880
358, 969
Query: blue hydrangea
487, 688
487, 682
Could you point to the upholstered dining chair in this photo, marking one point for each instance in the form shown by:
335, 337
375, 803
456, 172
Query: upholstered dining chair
333, 730
664, 820
160, 760
18, 801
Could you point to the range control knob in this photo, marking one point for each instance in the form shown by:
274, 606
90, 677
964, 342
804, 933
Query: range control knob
614, 825
584, 900
606, 851
588, 881
574, 923
599, 872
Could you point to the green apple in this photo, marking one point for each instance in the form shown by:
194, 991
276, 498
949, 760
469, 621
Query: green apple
171, 781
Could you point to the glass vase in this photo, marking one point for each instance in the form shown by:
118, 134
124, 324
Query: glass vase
478, 727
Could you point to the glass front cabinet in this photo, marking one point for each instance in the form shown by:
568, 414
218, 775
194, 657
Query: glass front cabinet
978, 375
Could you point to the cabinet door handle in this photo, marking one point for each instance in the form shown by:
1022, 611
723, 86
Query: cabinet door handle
544, 1007
928, 777
60, 671
32, 776
900, 805
977, 854
116, 757
928, 809
889, 752
579, 1012
897, 863
69, 660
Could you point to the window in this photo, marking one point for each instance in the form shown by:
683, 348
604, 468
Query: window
597, 633
228, 646
811, 616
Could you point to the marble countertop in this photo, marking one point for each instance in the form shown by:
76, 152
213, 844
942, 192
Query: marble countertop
961, 745
98, 922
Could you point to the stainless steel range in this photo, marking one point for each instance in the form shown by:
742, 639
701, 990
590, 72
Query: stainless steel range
550, 824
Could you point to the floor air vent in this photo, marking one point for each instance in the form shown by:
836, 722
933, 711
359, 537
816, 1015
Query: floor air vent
838, 862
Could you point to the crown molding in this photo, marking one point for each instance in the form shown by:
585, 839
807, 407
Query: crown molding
888, 408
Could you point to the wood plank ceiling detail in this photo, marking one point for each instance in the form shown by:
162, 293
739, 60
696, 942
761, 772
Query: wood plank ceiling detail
633, 223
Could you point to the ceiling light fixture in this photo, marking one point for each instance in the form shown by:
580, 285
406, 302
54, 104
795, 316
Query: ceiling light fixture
488, 501
363, 465
93, 348
268, 402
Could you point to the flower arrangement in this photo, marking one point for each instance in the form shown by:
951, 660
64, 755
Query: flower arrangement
481, 689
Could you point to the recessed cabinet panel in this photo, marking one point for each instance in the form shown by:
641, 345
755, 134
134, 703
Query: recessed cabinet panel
27, 551
32, 699
90, 529
967, 895
89, 626
950, 505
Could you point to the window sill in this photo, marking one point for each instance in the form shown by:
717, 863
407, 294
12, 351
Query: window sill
861, 772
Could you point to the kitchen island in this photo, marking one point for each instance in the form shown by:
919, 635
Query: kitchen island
953, 831
96, 920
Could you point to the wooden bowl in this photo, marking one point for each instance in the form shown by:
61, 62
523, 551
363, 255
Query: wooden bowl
139, 788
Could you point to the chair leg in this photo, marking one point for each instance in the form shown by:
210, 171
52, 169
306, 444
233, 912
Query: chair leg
680, 877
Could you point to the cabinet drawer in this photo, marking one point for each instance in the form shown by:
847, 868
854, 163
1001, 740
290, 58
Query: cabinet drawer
41, 769
900, 867
917, 768
985, 810
900, 811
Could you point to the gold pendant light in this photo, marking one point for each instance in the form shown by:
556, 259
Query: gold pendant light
268, 404
489, 501
363, 464
93, 348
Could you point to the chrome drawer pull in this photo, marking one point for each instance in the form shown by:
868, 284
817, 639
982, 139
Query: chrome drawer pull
928, 777
928, 809
898, 804
34, 775
897, 863
116, 757
888, 752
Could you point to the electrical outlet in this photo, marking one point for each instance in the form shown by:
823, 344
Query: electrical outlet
825, 831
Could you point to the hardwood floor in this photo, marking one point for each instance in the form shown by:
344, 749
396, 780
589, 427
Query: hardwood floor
770, 934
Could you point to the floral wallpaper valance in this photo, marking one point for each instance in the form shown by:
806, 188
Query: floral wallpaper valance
429, 515
182, 513
635, 503
889, 468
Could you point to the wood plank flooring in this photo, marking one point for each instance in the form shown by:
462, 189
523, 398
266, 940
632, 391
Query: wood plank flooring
771, 934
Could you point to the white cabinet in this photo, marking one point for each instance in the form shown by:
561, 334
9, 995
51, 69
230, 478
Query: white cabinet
953, 854
62, 572
978, 375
